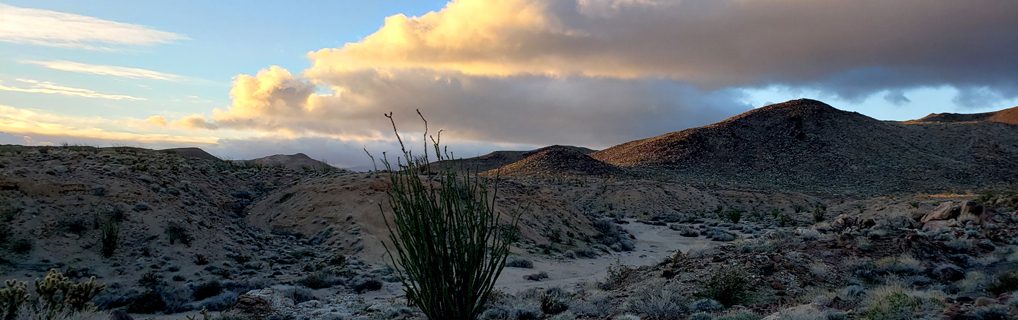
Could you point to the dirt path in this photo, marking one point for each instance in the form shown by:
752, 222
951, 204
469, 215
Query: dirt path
653, 244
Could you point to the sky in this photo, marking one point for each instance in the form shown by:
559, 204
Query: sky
245, 79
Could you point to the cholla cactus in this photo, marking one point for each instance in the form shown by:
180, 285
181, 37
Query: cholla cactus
13, 296
58, 295
78, 296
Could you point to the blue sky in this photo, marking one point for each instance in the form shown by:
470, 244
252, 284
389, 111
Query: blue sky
251, 78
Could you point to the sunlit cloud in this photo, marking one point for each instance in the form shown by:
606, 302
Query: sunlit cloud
105, 70
45, 87
22, 121
60, 29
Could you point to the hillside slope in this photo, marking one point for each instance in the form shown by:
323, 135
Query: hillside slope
807, 144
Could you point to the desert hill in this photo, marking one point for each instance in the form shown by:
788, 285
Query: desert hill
807, 144
297, 161
555, 160
196, 153
494, 159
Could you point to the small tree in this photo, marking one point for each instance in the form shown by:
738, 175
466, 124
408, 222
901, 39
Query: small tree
449, 244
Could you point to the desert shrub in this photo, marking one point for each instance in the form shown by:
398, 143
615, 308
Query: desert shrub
449, 244
904, 264
21, 246
536, 276
618, 274
177, 233
726, 285
658, 302
109, 235
56, 296
596, 305
613, 236
75, 225
554, 301
318, 280
516, 262
819, 212
367, 284
200, 259
733, 215
299, 294
150, 280
1005, 282
206, 290
892, 302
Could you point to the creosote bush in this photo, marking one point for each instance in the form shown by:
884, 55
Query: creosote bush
449, 244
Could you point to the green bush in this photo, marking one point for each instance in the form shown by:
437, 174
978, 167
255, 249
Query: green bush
449, 244
109, 236
726, 285
177, 233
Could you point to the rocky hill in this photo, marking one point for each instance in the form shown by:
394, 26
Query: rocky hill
194, 153
493, 160
807, 144
555, 160
297, 161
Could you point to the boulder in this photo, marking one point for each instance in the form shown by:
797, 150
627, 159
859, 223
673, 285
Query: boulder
253, 305
945, 211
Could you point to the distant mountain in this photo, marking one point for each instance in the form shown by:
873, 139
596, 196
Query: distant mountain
192, 152
297, 161
556, 160
808, 144
1008, 116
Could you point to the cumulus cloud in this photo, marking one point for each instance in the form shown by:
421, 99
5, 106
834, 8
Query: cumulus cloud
105, 70
60, 29
848, 47
46, 87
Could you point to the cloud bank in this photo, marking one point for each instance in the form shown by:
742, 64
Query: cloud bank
596, 73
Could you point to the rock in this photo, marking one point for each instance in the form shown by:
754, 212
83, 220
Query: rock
843, 221
945, 211
971, 212
948, 273
253, 305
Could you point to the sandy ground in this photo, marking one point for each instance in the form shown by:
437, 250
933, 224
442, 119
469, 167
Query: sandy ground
653, 245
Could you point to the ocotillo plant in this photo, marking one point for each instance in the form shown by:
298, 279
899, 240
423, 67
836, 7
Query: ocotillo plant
449, 245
